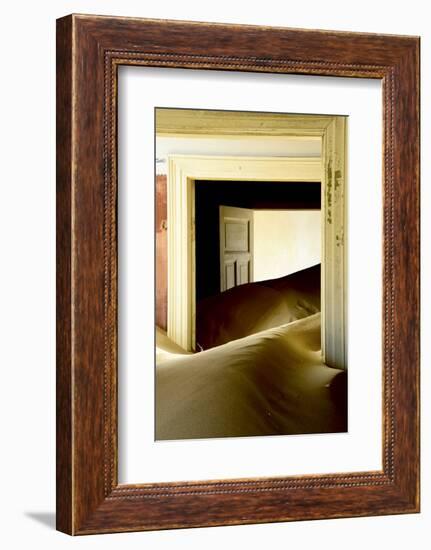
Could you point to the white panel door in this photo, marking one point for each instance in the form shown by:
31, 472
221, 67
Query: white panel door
236, 246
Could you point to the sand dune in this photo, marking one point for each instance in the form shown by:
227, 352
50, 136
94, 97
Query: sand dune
271, 382
254, 307
261, 372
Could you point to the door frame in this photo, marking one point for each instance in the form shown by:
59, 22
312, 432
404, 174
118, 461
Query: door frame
330, 169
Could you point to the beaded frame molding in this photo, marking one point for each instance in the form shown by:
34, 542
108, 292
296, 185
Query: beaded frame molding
89, 51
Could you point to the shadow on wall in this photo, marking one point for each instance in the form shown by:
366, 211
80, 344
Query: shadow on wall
44, 518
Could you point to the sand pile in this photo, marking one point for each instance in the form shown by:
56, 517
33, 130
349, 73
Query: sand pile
254, 307
272, 382
261, 372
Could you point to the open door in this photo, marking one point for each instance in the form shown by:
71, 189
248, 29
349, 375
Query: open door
236, 246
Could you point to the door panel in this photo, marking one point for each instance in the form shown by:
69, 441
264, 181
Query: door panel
236, 246
243, 272
236, 236
229, 269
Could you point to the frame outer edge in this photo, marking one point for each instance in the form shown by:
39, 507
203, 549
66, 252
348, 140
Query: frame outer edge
407, 274
64, 413
93, 391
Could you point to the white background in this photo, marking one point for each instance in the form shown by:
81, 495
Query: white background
27, 117
140, 458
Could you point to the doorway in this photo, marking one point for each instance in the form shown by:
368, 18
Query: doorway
243, 199
250, 233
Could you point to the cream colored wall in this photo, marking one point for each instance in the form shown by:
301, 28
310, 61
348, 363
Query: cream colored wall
285, 241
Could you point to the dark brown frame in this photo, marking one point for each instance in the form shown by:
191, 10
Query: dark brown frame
89, 51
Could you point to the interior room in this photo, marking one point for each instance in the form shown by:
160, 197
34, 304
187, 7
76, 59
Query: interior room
239, 349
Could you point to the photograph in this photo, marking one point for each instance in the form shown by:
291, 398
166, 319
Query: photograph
240, 223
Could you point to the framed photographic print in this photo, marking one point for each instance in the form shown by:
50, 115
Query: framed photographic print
237, 274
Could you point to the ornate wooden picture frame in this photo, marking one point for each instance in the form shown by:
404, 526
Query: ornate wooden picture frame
89, 51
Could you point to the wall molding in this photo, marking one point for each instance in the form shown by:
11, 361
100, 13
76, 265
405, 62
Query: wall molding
192, 122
